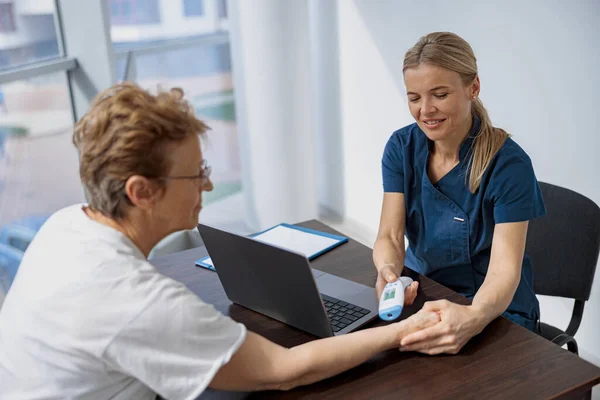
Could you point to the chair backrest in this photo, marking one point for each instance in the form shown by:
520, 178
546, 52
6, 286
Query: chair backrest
564, 245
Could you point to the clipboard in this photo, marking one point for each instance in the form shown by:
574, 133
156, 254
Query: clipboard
310, 242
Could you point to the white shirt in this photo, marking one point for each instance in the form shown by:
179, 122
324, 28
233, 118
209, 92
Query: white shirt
87, 317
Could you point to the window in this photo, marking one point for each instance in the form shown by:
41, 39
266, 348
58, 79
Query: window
134, 12
7, 18
33, 39
222, 9
193, 8
204, 72
38, 163
192, 53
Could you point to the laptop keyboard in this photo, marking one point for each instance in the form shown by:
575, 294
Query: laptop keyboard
340, 313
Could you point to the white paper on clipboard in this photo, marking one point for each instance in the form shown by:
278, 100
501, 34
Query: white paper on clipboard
300, 240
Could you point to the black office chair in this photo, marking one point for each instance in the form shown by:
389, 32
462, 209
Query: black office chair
564, 247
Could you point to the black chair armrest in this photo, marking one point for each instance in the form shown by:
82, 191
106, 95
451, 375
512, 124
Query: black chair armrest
559, 337
575, 317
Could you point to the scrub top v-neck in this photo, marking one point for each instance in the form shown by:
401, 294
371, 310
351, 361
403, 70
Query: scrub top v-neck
450, 229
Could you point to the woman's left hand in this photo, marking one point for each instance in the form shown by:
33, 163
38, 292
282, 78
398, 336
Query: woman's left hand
458, 324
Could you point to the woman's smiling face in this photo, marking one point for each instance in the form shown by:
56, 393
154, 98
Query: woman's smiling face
439, 100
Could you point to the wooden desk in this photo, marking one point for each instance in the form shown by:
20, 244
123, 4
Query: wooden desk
505, 361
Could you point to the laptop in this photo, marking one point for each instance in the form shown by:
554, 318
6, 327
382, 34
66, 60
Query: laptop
280, 284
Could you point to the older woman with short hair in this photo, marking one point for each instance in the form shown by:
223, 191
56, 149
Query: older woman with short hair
89, 317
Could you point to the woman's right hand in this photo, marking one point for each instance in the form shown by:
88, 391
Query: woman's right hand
390, 273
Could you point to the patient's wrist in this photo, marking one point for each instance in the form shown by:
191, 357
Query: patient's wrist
414, 323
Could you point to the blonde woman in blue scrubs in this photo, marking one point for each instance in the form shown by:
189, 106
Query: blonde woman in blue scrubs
462, 192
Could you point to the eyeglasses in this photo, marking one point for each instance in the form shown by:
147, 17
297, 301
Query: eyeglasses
203, 176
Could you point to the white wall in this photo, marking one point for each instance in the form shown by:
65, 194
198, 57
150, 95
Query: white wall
538, 65
270, 47
325, 103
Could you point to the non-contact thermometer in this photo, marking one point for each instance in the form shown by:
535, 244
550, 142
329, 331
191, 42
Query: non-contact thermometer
392, 298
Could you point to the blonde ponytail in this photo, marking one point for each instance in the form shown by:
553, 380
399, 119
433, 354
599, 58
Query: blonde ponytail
486, 144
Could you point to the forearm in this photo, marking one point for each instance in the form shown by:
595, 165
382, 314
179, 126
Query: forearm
260, 364
263, 365
320, 359
504, 271
496, 293
389, 250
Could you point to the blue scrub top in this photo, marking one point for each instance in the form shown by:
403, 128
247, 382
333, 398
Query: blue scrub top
450, 229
